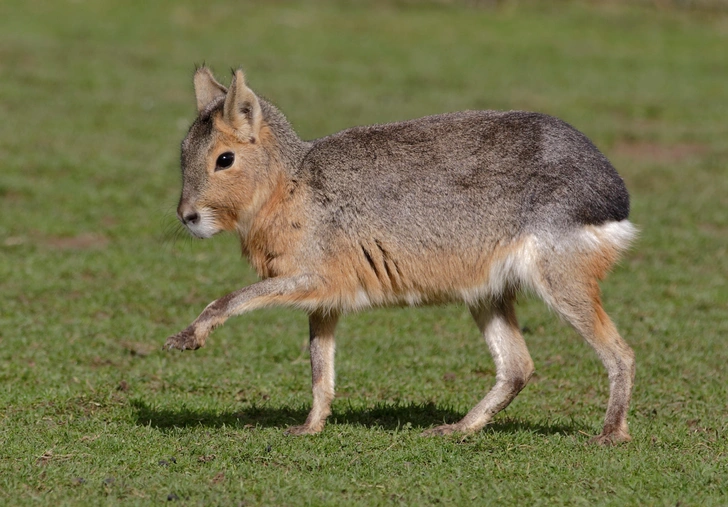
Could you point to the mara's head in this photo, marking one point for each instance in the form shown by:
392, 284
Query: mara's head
224, 160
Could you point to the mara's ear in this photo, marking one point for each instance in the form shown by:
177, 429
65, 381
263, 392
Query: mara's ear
207, 88
242, 108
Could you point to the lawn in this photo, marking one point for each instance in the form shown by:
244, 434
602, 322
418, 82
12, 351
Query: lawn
95, 273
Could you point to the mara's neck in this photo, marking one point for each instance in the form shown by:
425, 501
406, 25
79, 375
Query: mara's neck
285, 148
263, 229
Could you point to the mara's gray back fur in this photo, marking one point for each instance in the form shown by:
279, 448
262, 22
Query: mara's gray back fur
468, 177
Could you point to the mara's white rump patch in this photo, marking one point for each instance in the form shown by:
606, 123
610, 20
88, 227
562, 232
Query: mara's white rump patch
616, 235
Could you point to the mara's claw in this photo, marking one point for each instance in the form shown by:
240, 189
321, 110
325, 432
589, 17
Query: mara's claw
184, 340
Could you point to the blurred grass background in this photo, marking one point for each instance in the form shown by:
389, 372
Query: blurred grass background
95, 97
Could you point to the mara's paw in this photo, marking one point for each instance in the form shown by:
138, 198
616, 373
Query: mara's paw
184, 340
445, 429
304, 429
612, 438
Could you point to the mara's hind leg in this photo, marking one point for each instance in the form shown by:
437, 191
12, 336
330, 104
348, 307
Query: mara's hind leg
575, 294
322, 350
514, 366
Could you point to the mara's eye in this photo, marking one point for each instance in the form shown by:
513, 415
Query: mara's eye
225, 160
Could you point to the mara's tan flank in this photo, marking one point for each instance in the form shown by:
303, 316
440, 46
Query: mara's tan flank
472, 206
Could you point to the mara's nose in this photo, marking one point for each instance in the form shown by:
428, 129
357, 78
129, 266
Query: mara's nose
187, 214
191, 218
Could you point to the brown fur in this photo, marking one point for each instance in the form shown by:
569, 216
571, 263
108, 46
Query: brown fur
470, 207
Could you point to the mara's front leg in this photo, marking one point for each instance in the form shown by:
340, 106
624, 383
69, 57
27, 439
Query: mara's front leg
322, 349
301, 290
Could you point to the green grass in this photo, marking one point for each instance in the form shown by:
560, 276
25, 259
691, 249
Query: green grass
94, 99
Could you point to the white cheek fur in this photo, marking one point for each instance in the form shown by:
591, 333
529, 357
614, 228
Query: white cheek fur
206, 226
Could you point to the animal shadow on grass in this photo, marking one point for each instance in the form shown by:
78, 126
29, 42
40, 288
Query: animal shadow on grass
385, 416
